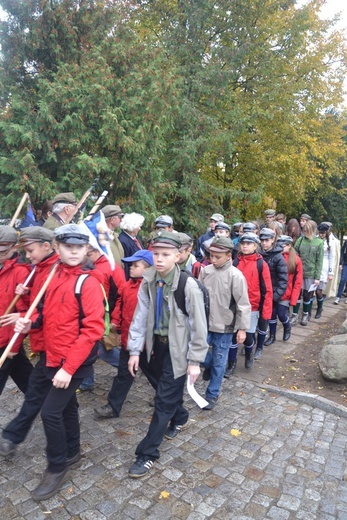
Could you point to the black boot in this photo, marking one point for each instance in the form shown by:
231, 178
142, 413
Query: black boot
319, 309
286, 332
230, 368
270, 340
249, 358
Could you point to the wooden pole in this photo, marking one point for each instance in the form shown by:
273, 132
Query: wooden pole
18, 296
18, 210
29, 313
82, 201
97, 205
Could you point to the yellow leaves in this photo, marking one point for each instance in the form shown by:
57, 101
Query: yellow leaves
235, 433
164, 494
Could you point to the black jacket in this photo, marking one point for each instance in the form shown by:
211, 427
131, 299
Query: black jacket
278, 271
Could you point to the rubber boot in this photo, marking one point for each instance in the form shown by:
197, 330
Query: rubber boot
249, 357
319, 309
270, 340
231, 366
286, 331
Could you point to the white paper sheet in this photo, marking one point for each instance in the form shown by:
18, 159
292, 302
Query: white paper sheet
200, 401
313, 288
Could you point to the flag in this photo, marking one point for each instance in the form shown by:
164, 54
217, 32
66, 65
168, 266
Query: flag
100, 235
29, 219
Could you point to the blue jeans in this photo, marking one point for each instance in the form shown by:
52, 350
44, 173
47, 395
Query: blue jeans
109, 356
342, 281
216, 360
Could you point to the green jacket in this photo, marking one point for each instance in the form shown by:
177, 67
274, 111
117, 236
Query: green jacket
311, 254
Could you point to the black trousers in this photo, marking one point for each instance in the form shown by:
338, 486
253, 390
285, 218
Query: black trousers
123, 381
168, 402
17, 430
59, 413
18, 368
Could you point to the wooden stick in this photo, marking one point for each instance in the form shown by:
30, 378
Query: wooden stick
82, 201
18, 296
18, 210
97, 205
29, 313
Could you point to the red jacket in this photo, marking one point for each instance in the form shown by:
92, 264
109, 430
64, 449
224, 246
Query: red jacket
12, 273
104, 266
247, 264
294, 281
42, 271
125, 307
66, 343
118, 277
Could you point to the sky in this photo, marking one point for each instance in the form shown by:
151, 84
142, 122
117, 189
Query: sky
333, 7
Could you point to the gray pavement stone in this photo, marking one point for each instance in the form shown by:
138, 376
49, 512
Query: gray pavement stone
287, 463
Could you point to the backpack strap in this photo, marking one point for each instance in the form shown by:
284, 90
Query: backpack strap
260, 263
78, 289
180, 292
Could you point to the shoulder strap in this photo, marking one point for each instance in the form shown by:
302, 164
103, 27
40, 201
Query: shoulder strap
78, 289
179, 293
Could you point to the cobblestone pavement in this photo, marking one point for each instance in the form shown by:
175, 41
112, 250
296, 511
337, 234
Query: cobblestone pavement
257, 455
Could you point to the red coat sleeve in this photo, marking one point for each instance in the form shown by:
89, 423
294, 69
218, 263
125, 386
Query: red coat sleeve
93, 326
297, 286
267, 305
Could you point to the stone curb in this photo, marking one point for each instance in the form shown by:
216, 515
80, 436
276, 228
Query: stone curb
310, 399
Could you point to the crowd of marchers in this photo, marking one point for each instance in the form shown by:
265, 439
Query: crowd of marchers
81, 291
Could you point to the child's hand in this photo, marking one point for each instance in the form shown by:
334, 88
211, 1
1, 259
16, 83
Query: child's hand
193, 372
9, 319
61, 379
22, 325
133, 365
240, 336
20, 289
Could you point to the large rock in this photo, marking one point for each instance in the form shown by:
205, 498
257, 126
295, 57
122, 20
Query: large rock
333, 359
343, 328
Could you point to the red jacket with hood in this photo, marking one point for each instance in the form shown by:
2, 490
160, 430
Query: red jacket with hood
125, 307
42, 271
68, 344
12, 273
248, 265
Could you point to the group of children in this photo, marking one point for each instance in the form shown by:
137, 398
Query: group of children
159, 315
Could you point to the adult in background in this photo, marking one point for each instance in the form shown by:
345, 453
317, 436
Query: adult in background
164, 222
130, 226
46, 211
63, 206
305, 217
113, 217
270, 215
343, 269
215, 218
331, 287
282, 219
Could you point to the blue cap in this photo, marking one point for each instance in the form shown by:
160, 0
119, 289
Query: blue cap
142, 254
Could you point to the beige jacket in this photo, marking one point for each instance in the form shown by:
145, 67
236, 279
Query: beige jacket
228, 292
187, 334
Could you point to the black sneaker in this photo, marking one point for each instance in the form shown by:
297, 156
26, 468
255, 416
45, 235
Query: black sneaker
231, 366
71, 461
141, 467
173, 431
206, 375
7, 448
104, 411
211, 403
